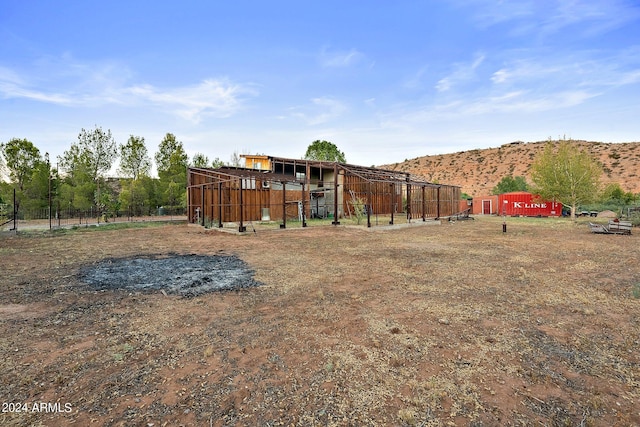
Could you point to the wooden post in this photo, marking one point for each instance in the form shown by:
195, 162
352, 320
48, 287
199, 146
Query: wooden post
219, 204
189, 215
408, 200
335, 195
306, 198
241, 228
438, 203
369, 204
304, 216
202, 205
15, 212
424, 214
393, 201
284, 205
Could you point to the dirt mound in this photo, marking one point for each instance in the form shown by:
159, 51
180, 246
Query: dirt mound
185, 275
607, 214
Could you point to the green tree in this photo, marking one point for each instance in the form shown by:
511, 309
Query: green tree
324, 151
98, 151
613, 193
26, 171
564, 173
217, 163
2, 166
199, 160
21, 158
171, 157
509, 184
36, 192
172, 162
134, 198
134, 158
85, 163
135, 163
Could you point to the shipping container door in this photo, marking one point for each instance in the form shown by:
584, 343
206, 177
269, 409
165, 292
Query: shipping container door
486, 207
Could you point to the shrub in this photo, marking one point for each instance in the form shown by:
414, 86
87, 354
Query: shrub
359, 208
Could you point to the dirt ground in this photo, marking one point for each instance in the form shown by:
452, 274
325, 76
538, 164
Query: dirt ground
457, 324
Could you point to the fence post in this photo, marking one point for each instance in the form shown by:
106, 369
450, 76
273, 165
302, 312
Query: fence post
15, 212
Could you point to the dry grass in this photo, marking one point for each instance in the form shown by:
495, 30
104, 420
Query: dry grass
457, 324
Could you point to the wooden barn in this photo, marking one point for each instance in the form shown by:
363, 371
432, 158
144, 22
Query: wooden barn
277, 189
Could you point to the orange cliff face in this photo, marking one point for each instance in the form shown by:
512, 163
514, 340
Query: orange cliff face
478, 171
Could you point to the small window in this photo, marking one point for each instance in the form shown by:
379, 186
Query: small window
249, 183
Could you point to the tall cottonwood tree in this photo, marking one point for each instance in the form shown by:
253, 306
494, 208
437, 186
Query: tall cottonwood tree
564, 173
172, 162
134, 158
28, 171
135, 164
199, 160
88, 160
510, 184
325, 151
21, 158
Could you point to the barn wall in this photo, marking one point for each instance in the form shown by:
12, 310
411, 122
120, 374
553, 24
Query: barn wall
215, 197
382, 197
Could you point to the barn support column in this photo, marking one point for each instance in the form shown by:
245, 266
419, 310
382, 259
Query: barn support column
304, 215
189, 207
392, 198
241, 228
219, 204
284, 205
424, 213
306, 197
335, 195
369, 204
408, 200
201, 206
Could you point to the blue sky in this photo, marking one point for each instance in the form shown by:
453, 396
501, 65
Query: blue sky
382, 80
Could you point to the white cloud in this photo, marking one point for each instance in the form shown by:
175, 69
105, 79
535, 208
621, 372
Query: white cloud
321, 110
12, 90
215, 98
339, 59
462, 72
86, 85
587, 17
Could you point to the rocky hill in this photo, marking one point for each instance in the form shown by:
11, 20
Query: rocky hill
478, 171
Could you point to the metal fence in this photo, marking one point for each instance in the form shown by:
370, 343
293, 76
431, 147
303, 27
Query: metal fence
43, 219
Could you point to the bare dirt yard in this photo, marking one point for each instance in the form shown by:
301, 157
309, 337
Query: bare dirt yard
457, 324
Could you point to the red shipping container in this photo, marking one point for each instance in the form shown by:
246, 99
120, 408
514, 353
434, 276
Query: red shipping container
521, 203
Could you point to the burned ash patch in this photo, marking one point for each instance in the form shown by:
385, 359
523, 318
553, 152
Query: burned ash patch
184, 275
